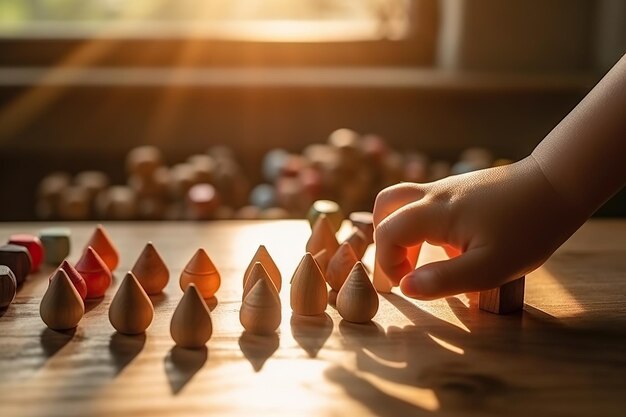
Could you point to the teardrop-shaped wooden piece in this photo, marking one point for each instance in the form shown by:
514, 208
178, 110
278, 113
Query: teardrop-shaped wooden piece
322, 237
340, 266
94, 271
131, 310
75, 277
261, 310
257, 273
61, 307
263, 256
150, 270
103, 245
357, 300
322, 260
359, 242
309, 294
201, 271
191, 326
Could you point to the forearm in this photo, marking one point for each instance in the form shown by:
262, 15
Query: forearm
584, 157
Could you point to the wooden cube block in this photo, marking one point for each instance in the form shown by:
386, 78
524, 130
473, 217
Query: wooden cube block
505, 299
56, 244
17, 259
33, 245
8, 286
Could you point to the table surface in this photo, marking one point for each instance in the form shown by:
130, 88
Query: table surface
565, 354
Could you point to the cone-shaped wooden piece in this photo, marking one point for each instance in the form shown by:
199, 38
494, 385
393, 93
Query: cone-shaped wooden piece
322, 260
201, 271
359, 242
94, 271
260, 310
103, 245
309, 294
191, 325
150, 270
131, 310
340, 266
263, 256
61, 307
357, 300
75, 277
257, 273
322, 237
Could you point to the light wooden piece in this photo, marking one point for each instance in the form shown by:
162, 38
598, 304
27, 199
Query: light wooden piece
95, 272
33, 245
102, 243
340, 266
8, 286
92, 181
201, 271
77, 279
322, 259
202, 201
191, 326
261, 309
359, 242
150, 270
61, 307
329, 208
263, 256
118, 202
143, 160
357, 300
257, 273
309, 294
322, 237
56, 243
74, 203
364, 221
18, 259
507, 298
131, 310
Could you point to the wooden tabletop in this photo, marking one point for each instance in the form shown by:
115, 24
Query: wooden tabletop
564, 355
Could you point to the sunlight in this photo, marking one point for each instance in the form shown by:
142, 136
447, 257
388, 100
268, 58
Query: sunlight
446, 345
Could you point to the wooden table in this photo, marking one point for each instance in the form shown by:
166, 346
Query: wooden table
564, 355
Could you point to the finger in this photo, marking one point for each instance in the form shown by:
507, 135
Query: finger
451, 251
392, 198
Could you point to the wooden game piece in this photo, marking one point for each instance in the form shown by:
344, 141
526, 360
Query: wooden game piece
263, 196
332, 211
258, 272
95, 272
182, 178
18, 260
75, 277
364, 221
202, 201
357, 300
311, 180
191, 325
101, 242
61, 307
322, 259
248, 213
224, 213
263, 256
261, 309
380, 280
131, 310
74, 203
505, 299
56, 244
33, 245
273, 163
92, 181
340, 266
151, 186
201, 271
359, 242
151, 209
204, 166
322, 237
51, 186
117, 203
309, 294
291, 195
8, 286
275, 213
143, 160
150, 270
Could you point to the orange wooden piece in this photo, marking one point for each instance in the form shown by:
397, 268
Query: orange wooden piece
95, 272
150, 270
201, 271
102, 243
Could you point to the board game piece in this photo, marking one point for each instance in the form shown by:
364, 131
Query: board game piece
95, 272
258, 272
359, 242
340, 266
8, 286
332, 211
263, 196
150, 270
74, 203
56, 244
118, 202
364, 221
357, 300
103, 245
204, 166
322, 237
248, 213
75, 277
273, 163
92, 181
191, 325
34, 247
309, 294
275, 213
17, 259
505, 299
131, 310
61, 307
143, 160
202, 201
201, 271
261, 309
263, 256
321, 258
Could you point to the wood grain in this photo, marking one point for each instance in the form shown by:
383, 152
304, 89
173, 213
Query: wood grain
564, 355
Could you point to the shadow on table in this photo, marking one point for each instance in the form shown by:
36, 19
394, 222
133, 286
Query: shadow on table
124, 349
311, 332
258, 348
182, 364
52, 341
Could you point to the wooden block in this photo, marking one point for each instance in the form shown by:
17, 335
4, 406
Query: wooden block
33, 245
74, 204
95, 272
49, 194
204, 167
202, 201
263, 256
322, 237
364, 221
309, 294
191, 326
332, 211
357, 300
131, 310
275, 213
17, 259
248, 213
359, 242
8, 286
152, 186
92, 181
75, 277
150, 270
505, 299
117, 203
143, 160
340, 265
101, 242
256, 273
56, 244
261, 309
61, 307
201, 271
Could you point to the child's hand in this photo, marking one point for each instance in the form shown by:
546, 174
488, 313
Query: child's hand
504, 221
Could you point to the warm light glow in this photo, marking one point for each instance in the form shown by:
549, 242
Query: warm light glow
446, 345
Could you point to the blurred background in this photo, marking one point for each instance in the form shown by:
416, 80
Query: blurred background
255, 108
